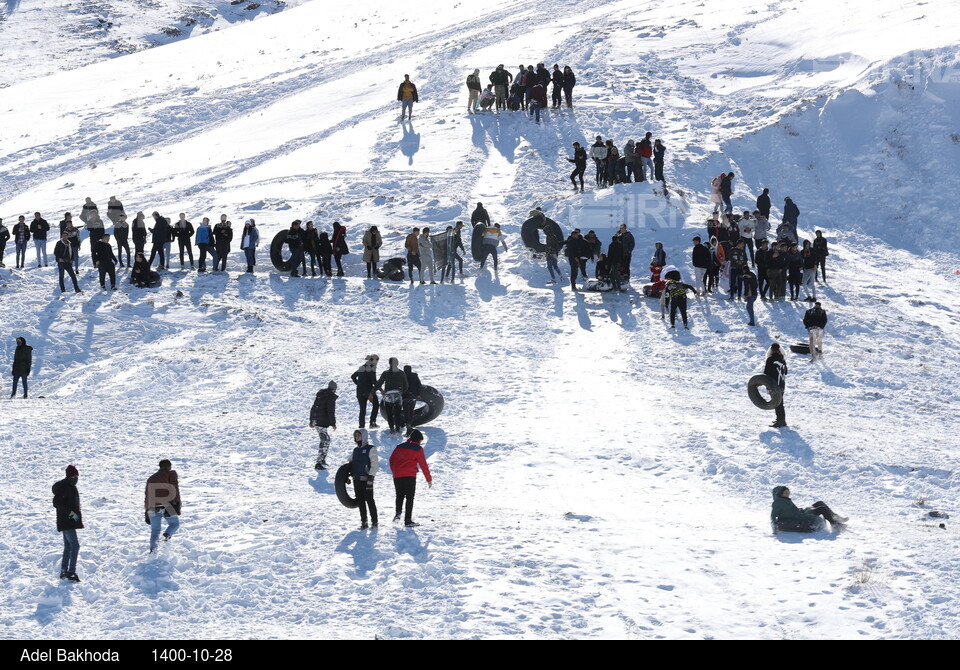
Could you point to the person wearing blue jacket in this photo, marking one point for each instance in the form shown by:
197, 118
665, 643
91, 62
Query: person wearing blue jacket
249, 239
205, 242
364, 464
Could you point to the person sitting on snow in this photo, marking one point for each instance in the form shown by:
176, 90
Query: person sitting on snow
785, 515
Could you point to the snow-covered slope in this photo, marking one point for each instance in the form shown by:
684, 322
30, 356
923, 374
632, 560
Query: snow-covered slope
595, 475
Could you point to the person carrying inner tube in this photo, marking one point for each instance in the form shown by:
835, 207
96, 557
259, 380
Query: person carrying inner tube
787, 516
393, 384
364, 464
776, 369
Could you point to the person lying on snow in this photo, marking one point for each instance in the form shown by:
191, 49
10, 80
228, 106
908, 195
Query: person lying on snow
785, 515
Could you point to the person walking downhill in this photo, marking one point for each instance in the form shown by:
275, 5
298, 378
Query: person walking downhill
364, 464
579, 161
161, 500
22, 363
66, 500
815, 320
405, 461
323, 417
365, 379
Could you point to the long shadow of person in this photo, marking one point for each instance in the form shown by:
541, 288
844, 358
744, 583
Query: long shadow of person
410, 142
361, 545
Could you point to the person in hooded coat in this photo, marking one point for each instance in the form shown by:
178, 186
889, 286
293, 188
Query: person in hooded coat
365, 379
66, 500
323, 417
22, 363
364, 464
786, 516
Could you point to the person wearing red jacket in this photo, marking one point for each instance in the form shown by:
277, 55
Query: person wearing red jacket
161, 499
538, 100
404, 462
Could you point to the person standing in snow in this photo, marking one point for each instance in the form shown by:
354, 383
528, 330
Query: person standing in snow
569, 81
776, 369
786, 516
501, 79
39, 228
21, 235
791, 214
323, 417
121, 233
392, 384
473, 88
425, 244
726, 192
64, 253
95, 231
138, 231
372, 241
114, 210
659, 254
815, 320
492, 239
412, 246
204, 240
578, 251
339, 243
454, 244
410, 397
364, 464
808, 260
105, 262
480, 215
311, 246
556, 94
579, 161
249, 239
66, 500
598, 152
325, 252
22, 363
295, 243
161, 236
538, 99
659, 150
738, 264
763, 203
629, 243
763, 283
553, 244
645, 154
749, 285
405, 461
4, 238
407, 95
677, 293
223, 233
365, 379
700, 258
161, 500
183, 232
820, 249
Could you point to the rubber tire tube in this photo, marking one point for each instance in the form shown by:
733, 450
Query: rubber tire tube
776, 395
432, 405
276, 252
800, 348
340, 484
476, 243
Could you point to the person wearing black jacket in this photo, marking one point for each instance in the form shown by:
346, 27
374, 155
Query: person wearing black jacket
339, 243
820, 249
365, 379
659, 150
578, 251
364, 464
4, 238
183, 231
21, 235
569, 81
160, 239
726, 191
677, 292
407, 95
140, 274
763, 282
794, 271
121, 233
224, 236
763, 203
628, 241
414, 387
22, 362
66, 500
776, 369
701, 263
479, 216
105, 262
579, 161
556, 94
815, 320
295, 242
325, 250
39, 228
64, 254
323, 417
311, 246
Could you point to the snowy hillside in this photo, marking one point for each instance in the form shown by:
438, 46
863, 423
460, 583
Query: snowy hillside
595, 474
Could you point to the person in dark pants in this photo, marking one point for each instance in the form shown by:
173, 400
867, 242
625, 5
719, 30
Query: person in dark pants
121, 233
578, 251
66, 500
325, 251
140, 274
4, 238
161, 500
183, 231
21, 235
205, 243
22, 362
323, 417
105, 262
364, 464
311, 243
412, 245
749, 284
677, 291
223, 233
658, 153
295, 242
785, 515
366, 380
139, 233
414, 387
64, 253
763, 282
39, 228
160, 239
579, 161
393, 384
821, 252
556, 77
776, 369
629, 243
339, 242
405, 461
569, 81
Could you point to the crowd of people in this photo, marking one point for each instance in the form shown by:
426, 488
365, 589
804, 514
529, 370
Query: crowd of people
525, 90
638, 161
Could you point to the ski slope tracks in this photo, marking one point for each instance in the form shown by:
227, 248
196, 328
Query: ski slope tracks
596, 475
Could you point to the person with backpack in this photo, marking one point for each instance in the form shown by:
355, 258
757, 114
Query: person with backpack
323, 417
405, 461
39, 228
820, 249
473, 89
406, 96
249, 239
365, 379
161, 501
392, 384
66, 500
677, 292
22, 363
410, 397
372, 241
339, 244
364, 464
183, 232
105, 261
786, 516
775, 368
579, 161
815, 320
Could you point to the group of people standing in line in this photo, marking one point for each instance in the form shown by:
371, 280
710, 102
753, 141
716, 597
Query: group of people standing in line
639, 161
526, 90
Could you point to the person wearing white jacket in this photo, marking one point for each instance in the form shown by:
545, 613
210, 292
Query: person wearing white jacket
426, 253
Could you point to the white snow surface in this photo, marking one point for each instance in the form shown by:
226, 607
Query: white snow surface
596, 476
